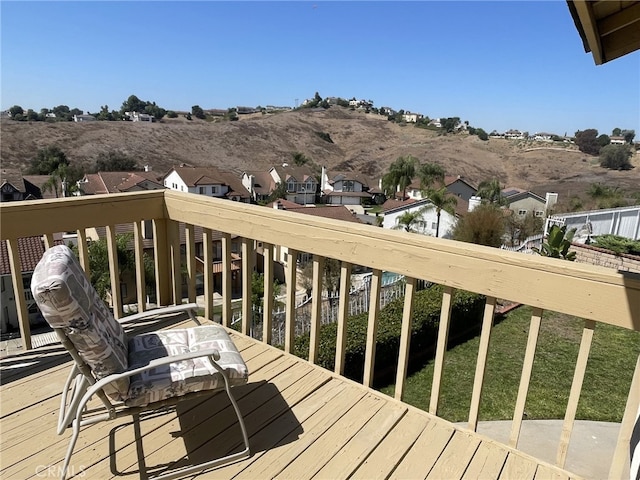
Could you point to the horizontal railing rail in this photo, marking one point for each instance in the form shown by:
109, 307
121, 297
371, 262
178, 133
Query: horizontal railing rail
592, 293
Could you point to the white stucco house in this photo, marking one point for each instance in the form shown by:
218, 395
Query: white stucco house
209, 181
429, 219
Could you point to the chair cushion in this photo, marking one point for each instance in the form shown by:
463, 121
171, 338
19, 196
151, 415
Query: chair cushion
69, 302
180, 378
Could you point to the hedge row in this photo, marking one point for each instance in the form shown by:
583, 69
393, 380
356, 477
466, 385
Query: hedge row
466, 319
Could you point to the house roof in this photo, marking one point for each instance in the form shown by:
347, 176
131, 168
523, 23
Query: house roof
29, 185
515, 194
263, 183
608, 29
337, 212
300, 173
30, 251
196, 176
116, 182
392, 204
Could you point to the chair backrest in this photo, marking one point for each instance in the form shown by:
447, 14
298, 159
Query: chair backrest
69, 302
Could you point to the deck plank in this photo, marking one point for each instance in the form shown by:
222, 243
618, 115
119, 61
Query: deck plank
303, 422
487, 462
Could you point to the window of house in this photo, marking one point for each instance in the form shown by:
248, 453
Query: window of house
310, 186
215, 189
291, 186
286, 257
202, 190
522, 212
434, 225
2, 283
539, 213
347, 186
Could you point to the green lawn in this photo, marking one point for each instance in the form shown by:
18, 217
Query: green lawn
605, 389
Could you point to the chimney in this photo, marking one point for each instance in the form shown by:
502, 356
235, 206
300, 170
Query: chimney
551, 200
474, 202
147, 168
277, 205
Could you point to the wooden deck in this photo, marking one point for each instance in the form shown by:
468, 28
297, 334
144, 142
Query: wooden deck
303, 421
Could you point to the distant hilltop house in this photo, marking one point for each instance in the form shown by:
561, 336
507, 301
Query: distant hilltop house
410, 117
209, 181
139, 117
84, 118
246, 110
617, 140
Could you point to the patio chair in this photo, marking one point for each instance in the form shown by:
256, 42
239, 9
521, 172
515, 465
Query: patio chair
130, 374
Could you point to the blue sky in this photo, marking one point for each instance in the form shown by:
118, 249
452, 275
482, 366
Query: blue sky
499, 65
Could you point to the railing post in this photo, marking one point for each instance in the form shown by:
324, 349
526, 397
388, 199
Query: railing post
290, 315
481, 364
372, 328
83, 251
405, 337
141, 288
189, 233
267, 314
175, 258
114, 271
343, 313
207, 244
162, 259
226, 280
316, 308
247, 273
18, 292
441, 348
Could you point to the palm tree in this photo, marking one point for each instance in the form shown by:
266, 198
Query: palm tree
400, 175
440, 200
57, 181
491, 191
429, 173
410, 221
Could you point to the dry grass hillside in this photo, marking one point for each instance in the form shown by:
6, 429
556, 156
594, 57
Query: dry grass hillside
363, 143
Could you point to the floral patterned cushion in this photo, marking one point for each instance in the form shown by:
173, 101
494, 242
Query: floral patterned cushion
179, 378
68, 301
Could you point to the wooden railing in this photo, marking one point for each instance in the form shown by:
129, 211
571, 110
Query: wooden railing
592, 293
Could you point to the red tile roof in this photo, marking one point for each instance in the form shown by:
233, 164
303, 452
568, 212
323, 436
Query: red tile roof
30, 251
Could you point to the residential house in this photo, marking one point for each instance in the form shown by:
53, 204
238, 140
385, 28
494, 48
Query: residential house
344, 188
514, 135
209, 181
300, 183
617, 140
259, 184
523, 202
118, 182
84, 118
139, 117
14, 186
455, 184
411, 117
30, 251
394, 209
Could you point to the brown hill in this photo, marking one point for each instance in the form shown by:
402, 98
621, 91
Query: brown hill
364, 143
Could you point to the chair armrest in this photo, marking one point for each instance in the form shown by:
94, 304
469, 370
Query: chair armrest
187, 307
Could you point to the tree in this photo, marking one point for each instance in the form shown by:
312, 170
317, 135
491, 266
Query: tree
440, 200
484, 225
279, 192
257, 290
557, 244
628, 135
114, 161
15, 111
603, 140
616, 132
399, 176
491, 191
300, 159
520, 228
410, 221
197, 112
133, 104
482, 135
587, 141
57, 182
616, 157
449, 124
429, 173
48, 160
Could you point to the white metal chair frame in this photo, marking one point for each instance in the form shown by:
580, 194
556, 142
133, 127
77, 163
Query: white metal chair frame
81, 386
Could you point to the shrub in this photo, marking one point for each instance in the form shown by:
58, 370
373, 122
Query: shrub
618, 244
466, 318
616, 157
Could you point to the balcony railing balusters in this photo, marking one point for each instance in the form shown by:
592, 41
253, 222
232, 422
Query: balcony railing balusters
316, 307
525, 377
226, 280
481, 364
190, 253
576, 388
441, 348
18, 292
138, 248
343, 311
207, 246
372, 328
247, 272
114, 272
405, 337
290, 307
626, 428
162, 261
48, 240
267, 314
83, 251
